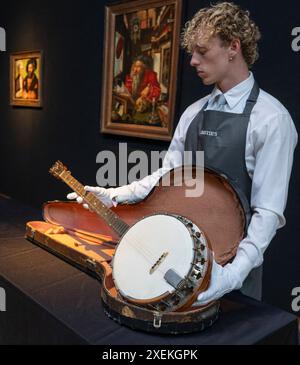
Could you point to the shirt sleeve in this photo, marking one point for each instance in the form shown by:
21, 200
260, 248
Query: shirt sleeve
273, 143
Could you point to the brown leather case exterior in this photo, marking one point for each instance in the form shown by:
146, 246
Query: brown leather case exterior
93, 255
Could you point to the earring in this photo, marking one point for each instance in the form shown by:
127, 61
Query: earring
230, 59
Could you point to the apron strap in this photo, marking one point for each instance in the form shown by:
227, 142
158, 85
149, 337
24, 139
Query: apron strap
252, 99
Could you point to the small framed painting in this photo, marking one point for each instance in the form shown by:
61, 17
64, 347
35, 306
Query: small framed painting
26, 69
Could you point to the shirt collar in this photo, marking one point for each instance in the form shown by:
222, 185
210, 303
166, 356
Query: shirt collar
235, 94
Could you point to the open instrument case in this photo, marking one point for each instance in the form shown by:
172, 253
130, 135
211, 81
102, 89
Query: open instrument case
88, 243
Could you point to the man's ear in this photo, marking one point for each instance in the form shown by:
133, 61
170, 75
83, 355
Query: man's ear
235, 47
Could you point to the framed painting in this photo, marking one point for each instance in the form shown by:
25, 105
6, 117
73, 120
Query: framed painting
26, 79
141, 50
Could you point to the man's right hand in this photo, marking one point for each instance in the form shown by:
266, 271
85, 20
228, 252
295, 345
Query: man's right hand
105, 195
145, 92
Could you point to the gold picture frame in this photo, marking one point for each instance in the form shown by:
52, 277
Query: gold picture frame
141, 51
26, 79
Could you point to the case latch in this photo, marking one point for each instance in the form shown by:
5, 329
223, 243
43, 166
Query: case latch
157, 320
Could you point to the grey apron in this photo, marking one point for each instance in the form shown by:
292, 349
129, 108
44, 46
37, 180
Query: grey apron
222, 137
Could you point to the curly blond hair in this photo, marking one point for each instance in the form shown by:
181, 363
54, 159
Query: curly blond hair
228, 21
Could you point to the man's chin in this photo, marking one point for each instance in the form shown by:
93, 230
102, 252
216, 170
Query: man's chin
207, 81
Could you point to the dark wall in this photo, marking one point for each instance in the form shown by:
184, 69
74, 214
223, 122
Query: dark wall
67, 127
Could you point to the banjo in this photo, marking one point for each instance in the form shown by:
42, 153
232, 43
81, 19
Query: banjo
161, 262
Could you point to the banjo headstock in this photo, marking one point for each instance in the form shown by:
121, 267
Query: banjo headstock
57, 169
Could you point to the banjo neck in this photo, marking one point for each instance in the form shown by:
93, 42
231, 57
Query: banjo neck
113, 220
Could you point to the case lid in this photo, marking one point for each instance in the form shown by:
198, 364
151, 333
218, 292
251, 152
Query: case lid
220, 212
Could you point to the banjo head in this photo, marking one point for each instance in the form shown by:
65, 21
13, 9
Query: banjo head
158, 259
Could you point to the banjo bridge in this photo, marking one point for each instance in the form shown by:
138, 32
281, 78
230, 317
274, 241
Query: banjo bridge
158, 262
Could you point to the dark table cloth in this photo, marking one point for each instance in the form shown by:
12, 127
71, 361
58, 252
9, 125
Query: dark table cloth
48, 301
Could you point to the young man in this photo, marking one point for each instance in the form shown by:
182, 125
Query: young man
244, 132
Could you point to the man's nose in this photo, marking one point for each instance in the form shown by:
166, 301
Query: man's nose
194, 61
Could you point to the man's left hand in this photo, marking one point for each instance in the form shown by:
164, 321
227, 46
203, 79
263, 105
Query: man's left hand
223, 280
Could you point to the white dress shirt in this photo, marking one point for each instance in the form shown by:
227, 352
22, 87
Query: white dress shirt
270, 143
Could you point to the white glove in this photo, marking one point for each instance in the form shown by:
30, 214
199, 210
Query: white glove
110, 197
223, 280
230, 277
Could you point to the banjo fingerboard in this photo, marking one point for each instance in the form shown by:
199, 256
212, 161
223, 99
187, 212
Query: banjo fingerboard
113, 220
